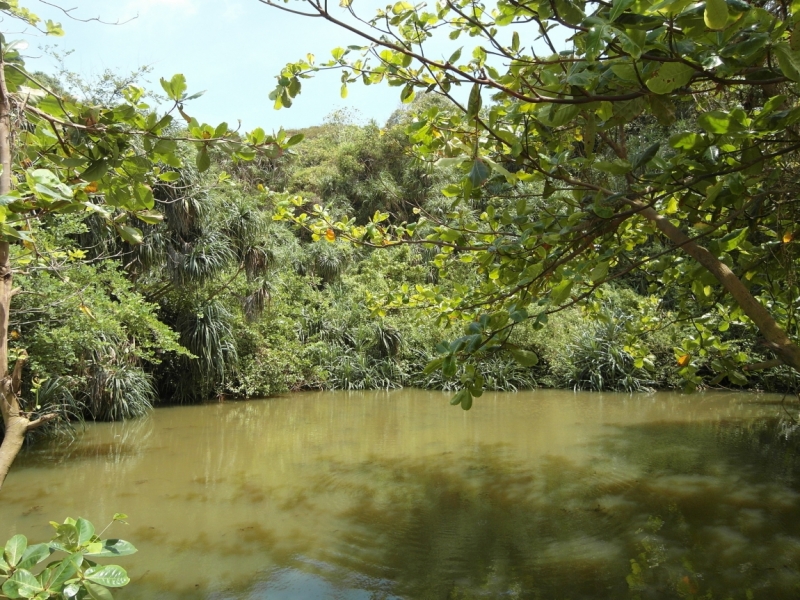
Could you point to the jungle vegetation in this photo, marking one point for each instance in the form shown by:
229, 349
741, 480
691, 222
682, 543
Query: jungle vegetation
618, 217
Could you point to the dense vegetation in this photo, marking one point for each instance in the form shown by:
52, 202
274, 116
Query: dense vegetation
541, 226
220, 300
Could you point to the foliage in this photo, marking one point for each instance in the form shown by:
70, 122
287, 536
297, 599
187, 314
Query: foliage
76, 575
99, 157
662, 142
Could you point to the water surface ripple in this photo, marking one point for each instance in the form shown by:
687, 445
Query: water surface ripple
544, 494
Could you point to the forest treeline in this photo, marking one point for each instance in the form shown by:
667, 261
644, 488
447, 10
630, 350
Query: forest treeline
223, 300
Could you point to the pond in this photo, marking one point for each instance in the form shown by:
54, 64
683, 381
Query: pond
544, 494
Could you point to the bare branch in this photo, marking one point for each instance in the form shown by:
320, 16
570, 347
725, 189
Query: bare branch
68, 13
41, 421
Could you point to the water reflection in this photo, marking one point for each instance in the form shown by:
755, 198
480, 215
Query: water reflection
537, 495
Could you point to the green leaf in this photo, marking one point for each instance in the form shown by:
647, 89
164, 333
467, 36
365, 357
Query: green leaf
169, 176
478, 173
107, 575
449, 366
15, 548
85, 531
459, 397
203, 160
432, 366
175, 87
407, 94
599, 272
22, 584
719, 122
560, 292
686, 140
151, 217
526, 358
618, 166
33, 555
295, 139
732, 240
646, 156
97, 592
617, 8
114, 547
130, 234
788, 60
669, 77
716, 14
475, 101
56, 574
95, 171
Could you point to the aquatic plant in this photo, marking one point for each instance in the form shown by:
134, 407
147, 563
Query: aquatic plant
600, 361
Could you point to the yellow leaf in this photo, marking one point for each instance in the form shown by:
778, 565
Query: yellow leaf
86, 311
330, 235
683, 360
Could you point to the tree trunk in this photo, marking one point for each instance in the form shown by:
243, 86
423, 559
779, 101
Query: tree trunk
16, 422
776, 338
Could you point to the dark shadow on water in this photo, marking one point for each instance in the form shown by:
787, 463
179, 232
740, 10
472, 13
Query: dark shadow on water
658, 511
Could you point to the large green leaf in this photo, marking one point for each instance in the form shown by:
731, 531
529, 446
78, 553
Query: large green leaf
85, 530
788, 60
22, 584
97, 592
66, 538
459, 397
617, 166
95, 171
54, 576
719, 122
526, 358
474, 103
478, 173
560, 292
113, 547
732, 240
716, 14
132, 235
203, 160
33, 555
669, 77
15, 548
107, 575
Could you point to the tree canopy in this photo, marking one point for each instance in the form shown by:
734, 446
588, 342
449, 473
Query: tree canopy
62, 155
662, 144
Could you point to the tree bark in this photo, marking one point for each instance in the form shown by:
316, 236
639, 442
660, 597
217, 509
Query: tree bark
17, 423
776, 338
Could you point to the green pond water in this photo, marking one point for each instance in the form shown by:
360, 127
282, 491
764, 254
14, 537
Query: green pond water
545, 495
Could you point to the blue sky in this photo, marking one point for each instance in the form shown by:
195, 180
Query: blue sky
231, 48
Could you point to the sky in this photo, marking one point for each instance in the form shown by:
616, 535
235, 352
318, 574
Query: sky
232, 49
